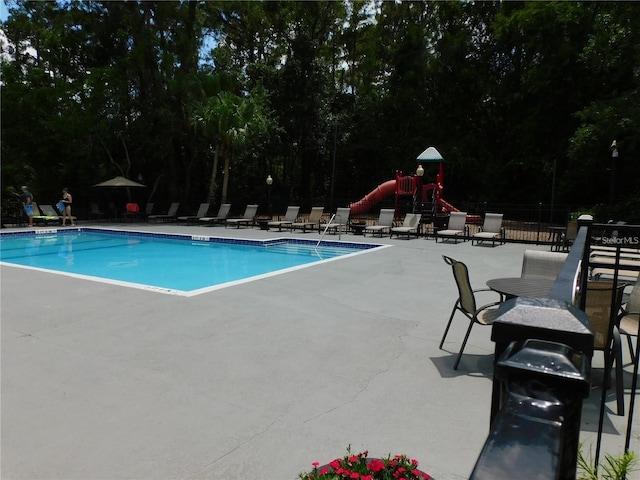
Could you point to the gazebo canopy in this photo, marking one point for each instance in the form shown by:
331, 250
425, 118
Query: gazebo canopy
430, 155
119, 182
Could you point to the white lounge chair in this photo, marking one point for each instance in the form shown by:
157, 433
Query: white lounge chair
169, 216
221, 216
313, 221
491, 230
247, 218
385, 223
457, 227
289, 217
409, 225
340, 221
202, 211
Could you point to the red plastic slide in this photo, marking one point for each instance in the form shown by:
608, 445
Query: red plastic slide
365, 203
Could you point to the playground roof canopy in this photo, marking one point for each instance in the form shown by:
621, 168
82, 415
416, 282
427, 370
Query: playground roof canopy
430, 155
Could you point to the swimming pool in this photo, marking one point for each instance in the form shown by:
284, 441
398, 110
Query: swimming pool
176, 264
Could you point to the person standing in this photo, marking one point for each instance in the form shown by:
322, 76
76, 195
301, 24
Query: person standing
27, 202
67, 199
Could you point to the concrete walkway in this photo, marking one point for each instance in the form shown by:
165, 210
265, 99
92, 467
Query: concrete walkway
259, 380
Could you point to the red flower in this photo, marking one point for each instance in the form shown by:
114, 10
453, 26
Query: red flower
355, 475
334, 464
315, 464
376, 465
414, 462
353, 459
324, 471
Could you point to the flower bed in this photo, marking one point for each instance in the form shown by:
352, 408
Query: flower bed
360, 467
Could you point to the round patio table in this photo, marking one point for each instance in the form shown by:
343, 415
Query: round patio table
536, 287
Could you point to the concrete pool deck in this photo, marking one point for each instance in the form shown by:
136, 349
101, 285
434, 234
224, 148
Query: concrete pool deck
258, 380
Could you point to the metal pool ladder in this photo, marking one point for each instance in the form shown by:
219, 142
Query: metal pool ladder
325, 231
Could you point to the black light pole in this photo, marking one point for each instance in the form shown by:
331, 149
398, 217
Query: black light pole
269, 183
419, 175
614, 156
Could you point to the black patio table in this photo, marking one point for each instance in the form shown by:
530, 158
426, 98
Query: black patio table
537, 287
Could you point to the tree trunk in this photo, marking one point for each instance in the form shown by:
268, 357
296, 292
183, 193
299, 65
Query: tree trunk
213, 185
225, 179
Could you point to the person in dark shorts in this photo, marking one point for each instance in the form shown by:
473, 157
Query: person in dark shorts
27, 202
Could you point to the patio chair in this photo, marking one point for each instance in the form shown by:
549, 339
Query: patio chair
606, 336
466, 303
537, 263
168, 217
221, 216
385, 223
131, 211
290, 216
491, 230
569, 235
312, 222
202, 211
456, 228
409, 226
629, 320
247, 218
340, 221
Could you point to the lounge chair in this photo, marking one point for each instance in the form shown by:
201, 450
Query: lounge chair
385, 223
202, 211
247, 219
50, 213
409, 226
289, 217
221, 216
491, 230
95, 212
467, 304
340, 221
312, 222
168, 217
148, 210
39, 219
457, 227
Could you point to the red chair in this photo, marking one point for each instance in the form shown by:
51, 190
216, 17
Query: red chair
132, 212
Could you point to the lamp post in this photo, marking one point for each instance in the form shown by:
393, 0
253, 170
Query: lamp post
269, 182
419, 175
614, 156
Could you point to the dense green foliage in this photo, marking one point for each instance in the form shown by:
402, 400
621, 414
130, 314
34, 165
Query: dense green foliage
201, 100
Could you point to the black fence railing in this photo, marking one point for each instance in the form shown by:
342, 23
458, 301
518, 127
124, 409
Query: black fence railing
542, 366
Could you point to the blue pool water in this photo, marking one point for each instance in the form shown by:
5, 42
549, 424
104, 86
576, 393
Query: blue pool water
178, 264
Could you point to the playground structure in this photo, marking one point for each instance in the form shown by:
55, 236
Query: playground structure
412, 186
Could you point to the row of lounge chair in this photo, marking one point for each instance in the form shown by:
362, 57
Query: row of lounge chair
47, 215
457, 228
